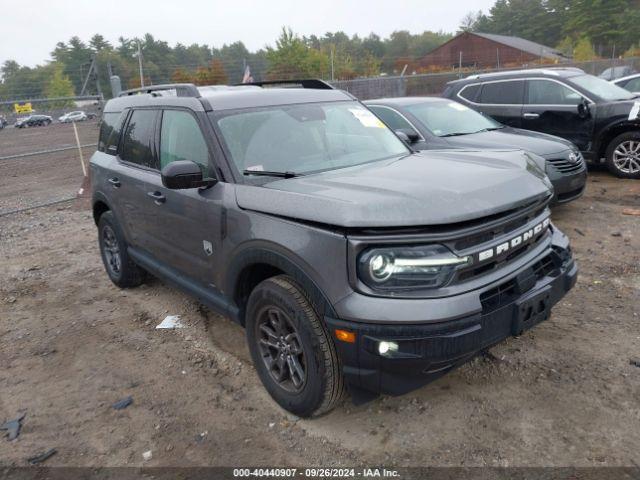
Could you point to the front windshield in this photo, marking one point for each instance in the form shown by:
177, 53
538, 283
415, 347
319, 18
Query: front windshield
307, 138
603, 89
451, 118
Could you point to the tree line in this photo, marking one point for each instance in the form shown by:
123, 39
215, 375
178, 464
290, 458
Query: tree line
584, 29
332, 55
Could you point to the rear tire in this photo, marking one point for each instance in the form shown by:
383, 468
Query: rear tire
623, 155
122, 271
291, 349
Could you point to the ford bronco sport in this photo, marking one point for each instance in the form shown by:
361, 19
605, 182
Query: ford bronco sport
352, 262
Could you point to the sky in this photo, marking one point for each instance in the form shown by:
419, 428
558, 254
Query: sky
30, 30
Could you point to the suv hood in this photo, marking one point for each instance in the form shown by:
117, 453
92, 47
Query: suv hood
508, 137
437, 188
618, 110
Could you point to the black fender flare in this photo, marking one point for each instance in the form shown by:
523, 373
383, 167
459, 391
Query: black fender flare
267, 253
612, 130
99, 197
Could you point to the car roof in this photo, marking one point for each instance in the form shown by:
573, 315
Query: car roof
628, 77
555, 72
406, 101
223, 97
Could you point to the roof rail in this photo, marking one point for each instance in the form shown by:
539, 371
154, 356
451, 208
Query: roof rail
182, 90
546, 70
313, 83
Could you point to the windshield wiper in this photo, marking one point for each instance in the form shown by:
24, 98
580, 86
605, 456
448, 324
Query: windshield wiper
266, 173
455, 134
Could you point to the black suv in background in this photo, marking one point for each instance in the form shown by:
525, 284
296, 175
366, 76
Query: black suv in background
350, 260
431, 123
601, 118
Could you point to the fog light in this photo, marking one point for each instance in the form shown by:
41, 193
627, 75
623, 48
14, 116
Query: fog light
386, 347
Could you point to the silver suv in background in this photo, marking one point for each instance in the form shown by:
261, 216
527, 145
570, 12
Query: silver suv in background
353, 263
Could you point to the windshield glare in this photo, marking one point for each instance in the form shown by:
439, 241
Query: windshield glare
603, 89
307, 138
447, 118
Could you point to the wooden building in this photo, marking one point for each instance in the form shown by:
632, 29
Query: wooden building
487, 50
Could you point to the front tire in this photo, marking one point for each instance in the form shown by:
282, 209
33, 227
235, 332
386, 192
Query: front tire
291, 349
623, 155
122, 271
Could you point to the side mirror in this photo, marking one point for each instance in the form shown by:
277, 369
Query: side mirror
583, 109
183, 174
408, 135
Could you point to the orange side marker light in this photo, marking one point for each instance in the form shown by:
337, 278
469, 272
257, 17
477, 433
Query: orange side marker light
345, 336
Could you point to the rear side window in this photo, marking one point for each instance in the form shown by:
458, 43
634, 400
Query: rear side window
182, 139
546, 92
470, 92
138, 139
110, 132
502, 93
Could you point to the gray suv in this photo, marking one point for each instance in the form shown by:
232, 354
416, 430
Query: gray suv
353, 263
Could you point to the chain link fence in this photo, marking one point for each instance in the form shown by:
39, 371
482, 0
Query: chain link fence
432, 84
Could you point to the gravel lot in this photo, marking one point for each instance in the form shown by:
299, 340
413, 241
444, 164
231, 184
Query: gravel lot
71, 344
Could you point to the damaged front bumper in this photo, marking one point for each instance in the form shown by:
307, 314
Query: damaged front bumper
395, 358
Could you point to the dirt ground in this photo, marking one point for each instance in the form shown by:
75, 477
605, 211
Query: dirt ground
566, 393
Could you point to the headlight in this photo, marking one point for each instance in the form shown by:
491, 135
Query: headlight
401, 268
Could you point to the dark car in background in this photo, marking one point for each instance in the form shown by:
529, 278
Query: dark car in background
630, 83
599, 117
33, 121
436, 123
613, 73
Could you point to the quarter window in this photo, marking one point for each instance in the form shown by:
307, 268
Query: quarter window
470, 92
545, 92
138, 139
502, 93
109, 132
181, 139
393, 119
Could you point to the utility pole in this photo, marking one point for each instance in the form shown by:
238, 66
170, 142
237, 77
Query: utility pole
92, 73
332, 49
140, 66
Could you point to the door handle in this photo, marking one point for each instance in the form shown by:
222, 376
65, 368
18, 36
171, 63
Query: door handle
158, 197
115, 182
531, 116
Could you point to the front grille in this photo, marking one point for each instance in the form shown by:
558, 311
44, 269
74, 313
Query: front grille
565, 166
487, 236
473, 272
508, 291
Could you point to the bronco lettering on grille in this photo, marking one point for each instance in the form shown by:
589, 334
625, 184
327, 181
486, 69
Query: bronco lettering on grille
506, 247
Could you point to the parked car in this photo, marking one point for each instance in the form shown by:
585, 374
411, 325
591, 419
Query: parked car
630, 83
613, 73
3, 122
33, 121
597, 116
77, 116
436, 123
351, 261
